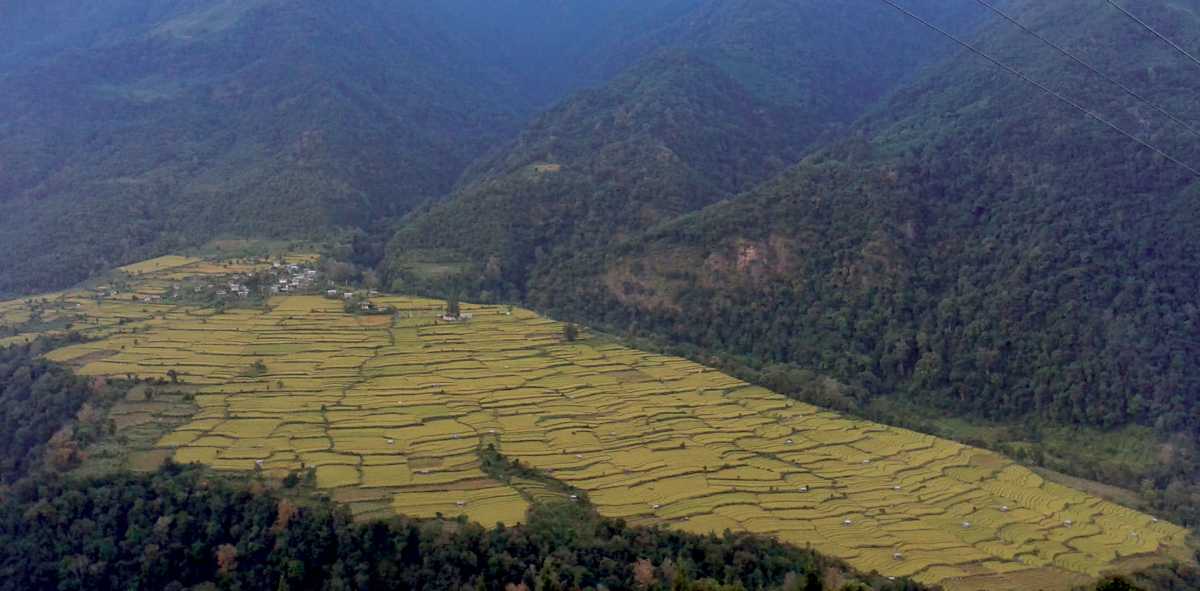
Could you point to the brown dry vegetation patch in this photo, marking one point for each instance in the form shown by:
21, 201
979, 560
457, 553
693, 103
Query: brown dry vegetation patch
630, 376
1140, 562
425, 462
637, 291
751, 261
652, 282
1115, 494
988, 461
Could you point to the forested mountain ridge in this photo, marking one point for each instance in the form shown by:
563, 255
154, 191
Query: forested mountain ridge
733, 93
132, 129
673, 135
263, 118
831, 59
550, 48
977, 248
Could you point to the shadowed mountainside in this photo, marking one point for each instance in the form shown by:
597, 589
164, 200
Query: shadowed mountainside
734, 93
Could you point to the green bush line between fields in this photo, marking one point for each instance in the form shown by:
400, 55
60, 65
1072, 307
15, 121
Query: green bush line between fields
496, 465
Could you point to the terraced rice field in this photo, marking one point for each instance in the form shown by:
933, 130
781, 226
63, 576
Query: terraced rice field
391, 412
158, 264
97, 313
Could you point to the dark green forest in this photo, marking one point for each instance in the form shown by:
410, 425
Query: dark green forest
271, 120
180, 528
46, 412
956, 254
670, 137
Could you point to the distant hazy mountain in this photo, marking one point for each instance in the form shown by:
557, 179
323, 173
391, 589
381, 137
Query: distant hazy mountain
269, 118
734, 93
131, 127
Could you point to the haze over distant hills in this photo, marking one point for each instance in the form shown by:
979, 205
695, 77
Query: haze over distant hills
132, 129
264, 118
743, 91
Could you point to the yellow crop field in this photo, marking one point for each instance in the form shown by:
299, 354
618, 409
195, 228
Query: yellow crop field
391, 411
159, 264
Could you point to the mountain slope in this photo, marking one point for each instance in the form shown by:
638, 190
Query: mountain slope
671, 136
829, 58
131, 128
978, 248
733, 93
266, 118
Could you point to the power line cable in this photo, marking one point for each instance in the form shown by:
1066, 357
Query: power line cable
1094, 70
1155, 31
1043, 87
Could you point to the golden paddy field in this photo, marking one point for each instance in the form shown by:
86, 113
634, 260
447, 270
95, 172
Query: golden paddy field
391, 413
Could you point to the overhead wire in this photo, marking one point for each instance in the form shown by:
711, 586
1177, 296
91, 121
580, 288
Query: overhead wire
1093, 69
1043, 87
1147, 26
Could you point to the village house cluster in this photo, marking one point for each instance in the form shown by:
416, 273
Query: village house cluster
292, 278
359, 301
235, 288
280, 278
